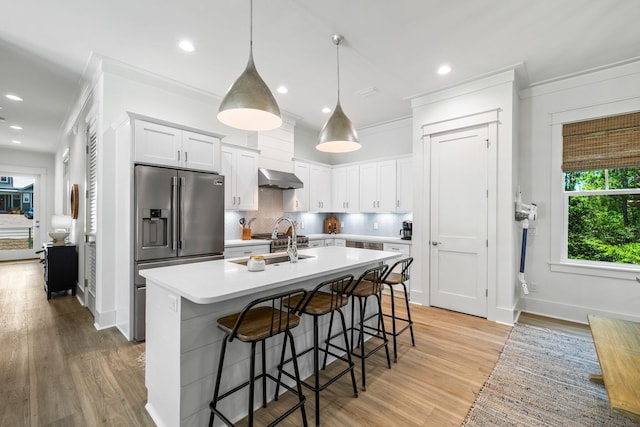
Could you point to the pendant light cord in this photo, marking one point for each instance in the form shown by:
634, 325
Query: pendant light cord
251, 27
338, 66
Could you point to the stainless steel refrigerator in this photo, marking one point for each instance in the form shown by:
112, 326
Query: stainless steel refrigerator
179, 219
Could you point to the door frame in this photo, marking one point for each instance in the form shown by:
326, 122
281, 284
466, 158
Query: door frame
430, 131
39, 213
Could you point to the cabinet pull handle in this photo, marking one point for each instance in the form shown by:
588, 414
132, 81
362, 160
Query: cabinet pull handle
397, 203
239, 201
186, 156
178, 155
234, 200
374, 203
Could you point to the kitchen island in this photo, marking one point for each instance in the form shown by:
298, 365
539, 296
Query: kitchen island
183, 341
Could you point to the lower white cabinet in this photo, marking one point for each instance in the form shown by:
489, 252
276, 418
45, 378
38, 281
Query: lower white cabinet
339, 242
335, 242
245, 251
402, 248
317, 243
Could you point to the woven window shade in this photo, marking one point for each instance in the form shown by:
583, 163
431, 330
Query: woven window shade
608, 143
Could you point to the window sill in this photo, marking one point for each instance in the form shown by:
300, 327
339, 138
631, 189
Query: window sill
596, 269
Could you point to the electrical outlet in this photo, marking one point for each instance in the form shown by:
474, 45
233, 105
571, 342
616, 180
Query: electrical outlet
375, 225
342, 224
302, 225
532, 231
173, 302
533, 286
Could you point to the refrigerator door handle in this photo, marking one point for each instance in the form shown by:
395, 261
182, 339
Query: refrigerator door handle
174, 213
183, 183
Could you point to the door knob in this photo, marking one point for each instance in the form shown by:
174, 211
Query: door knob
434, 243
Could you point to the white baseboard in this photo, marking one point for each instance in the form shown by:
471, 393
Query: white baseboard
572, 313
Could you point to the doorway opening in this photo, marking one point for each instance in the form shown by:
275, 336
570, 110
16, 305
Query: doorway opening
19, 216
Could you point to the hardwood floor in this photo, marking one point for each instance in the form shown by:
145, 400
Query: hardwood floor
57, 370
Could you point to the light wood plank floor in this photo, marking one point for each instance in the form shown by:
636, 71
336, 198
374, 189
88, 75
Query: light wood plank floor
57, 370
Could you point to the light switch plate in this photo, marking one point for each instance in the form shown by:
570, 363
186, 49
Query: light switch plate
173, 302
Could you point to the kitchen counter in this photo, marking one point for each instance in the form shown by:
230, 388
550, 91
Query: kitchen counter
183, 342
360, 238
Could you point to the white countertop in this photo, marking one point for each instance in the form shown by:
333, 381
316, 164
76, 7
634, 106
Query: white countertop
215, 281
359, 237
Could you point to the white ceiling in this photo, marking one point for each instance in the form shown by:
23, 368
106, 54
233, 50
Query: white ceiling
394, 46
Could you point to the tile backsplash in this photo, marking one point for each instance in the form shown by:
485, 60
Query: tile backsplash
270, 202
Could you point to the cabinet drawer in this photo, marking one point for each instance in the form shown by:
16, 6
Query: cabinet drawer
397, 247
244, 251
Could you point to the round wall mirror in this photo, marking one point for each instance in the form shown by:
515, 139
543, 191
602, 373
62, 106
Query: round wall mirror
74, 201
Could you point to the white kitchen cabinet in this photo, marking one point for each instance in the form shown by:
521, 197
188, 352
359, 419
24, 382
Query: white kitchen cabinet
319, 188
404, 185
335, 242
318, 243
315, 196
405, 250
247, 250
345, 185
240, 169
378, 186
164, 145
298, 200
339, 242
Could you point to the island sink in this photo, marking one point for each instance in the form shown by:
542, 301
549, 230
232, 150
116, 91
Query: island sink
272, 259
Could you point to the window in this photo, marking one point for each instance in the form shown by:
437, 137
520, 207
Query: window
601, 164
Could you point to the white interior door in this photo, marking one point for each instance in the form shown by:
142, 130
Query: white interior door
459, 221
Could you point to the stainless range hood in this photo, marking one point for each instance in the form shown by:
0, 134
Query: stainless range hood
270, 178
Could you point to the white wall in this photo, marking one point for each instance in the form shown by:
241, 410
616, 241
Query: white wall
562, 290
304, 147
492, 93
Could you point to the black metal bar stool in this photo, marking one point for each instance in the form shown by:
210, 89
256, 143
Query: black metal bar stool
260, 319
327, 297
392, 279
369, 284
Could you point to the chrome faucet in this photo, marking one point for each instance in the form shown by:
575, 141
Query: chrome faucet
292, 246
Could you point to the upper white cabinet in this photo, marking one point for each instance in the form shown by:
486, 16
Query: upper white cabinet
168, 146
298, 200
315, 196
378, 186
240, 169
319, 188
404, 185
345, 184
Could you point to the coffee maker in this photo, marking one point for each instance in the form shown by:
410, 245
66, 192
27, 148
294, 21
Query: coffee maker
407, 230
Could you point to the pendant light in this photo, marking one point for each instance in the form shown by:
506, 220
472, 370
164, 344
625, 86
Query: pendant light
338, 135
249, 104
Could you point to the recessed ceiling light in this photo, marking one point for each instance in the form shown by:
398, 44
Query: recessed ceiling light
13, 97
187, 46
326, 110
282, 89
15, 127
444, 69
15, 141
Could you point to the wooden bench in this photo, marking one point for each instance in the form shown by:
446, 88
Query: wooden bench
617, 344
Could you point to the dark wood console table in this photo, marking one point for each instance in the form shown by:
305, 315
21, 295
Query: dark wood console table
60, 269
